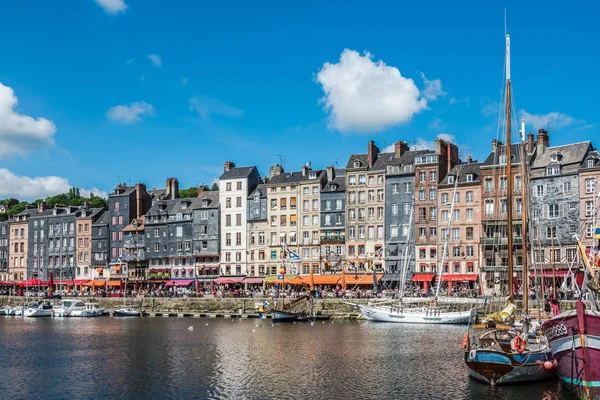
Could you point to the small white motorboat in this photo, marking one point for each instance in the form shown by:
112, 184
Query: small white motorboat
90, 310
67, 307
126, 312
44, 309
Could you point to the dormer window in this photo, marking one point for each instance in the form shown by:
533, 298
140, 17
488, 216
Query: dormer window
469, 177
312, 175
257, 198
450, 178
590, 163
184, 205
333, 188
556, 156
179, 216
553, 170
503, 159
356, 164
204, 203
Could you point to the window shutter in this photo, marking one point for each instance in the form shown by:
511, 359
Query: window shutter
544, 211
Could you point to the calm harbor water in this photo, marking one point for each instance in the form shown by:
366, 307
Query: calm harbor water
160, 358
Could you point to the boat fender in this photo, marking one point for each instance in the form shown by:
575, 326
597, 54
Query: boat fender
465, 341
472, 354
519, 344
549, 365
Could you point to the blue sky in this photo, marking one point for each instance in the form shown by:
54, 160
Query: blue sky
144, 90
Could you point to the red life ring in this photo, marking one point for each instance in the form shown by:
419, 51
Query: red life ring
465, 341
519, 344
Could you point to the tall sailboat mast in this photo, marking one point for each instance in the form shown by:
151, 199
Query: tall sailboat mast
524, 208
509, 180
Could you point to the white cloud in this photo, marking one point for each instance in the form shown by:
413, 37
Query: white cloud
20, 133
112, 6
156, 60
454, 100
24, 187
489, 108
423, 144
95, 191
435, 124
127, 114
433, 89
205, 106
366, 96
557, 120
184, 81
129, 62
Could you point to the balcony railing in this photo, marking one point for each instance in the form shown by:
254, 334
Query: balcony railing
333, 239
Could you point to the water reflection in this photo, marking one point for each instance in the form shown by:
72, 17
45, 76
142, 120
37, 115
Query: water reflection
242, 359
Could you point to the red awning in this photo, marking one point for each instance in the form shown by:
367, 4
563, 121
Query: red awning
179, 282
422, 277
229, 279
34, 282
73, 282
459, 277
549, 274
254, 280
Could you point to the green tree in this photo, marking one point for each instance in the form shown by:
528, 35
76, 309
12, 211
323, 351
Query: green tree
215, 187
189, 192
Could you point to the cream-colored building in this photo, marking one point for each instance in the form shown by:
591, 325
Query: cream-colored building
589, 188
18, 248
282, 218
311, 183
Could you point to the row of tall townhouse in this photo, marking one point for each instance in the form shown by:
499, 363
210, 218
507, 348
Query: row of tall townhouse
389, 211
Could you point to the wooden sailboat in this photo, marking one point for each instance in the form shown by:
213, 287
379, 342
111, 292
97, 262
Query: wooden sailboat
574, 335
499, 354
397, 310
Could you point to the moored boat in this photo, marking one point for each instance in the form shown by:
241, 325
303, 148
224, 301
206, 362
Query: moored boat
66, 307
89, 310
423, 315
43, 309
126, 312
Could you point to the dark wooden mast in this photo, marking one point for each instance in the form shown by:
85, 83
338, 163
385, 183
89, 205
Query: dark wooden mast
509, 178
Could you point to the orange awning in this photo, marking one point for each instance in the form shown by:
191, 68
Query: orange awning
99, 269
332, 280
96, 282
118, 268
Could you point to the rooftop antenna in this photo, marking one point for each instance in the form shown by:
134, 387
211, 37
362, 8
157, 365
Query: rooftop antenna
548, 130
281, 160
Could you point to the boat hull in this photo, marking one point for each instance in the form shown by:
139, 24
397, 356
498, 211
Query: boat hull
118, 313
98, 312
499, 368
37, 313
574, 338
387, 314
283, 316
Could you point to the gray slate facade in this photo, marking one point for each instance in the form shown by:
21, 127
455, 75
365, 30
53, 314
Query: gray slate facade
554, 198
100, 240
52, 243
4, 236
333, 217
399, 226
205, 230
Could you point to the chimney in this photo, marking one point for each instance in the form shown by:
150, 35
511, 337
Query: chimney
530, 143
275, 170
372, 153
400, 148
304, 170
139, 199
168, 189
174, 188
449, 155
265, 179
543, 141
469, 160
86, 205
200, 191
228, 165
496, 145
42, 206
330, 173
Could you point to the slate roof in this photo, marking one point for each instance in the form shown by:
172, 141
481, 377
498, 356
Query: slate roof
90, 213
212, 197
127, 190
286, 178
571, 156
262, 191
364, 161
462, 170
493, 159
102, 219
320, 174
237, 173
157, 193
592, 155
339, 181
